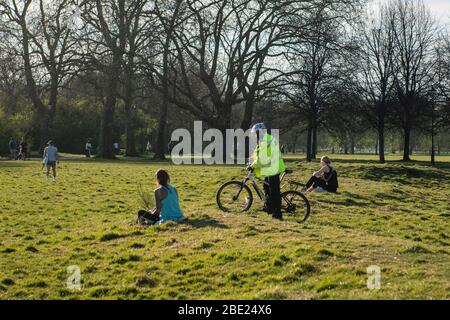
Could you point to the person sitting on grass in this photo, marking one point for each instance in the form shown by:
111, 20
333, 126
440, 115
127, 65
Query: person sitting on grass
167, 202
323, 180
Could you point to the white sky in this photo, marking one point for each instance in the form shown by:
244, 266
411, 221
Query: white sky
439, 8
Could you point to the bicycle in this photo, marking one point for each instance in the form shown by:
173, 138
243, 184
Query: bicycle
235, 196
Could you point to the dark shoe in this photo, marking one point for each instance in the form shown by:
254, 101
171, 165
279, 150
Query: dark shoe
278, 218
266, 210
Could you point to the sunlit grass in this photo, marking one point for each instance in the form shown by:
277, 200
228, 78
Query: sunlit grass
392, 215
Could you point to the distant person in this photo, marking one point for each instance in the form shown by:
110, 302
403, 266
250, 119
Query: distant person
116, 148
23, 149
167, 201
149, 147
50, 158
12, 149
88, 149
323, 180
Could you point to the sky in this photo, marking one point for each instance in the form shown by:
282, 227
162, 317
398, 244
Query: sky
439, 8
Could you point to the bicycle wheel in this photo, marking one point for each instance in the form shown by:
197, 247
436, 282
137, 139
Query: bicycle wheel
294, 203
234, 197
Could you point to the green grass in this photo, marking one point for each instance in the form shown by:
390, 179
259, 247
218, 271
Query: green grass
392, 215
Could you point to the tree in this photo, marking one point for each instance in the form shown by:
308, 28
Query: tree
342, 118
414, 31
316, 59
109, 39
168, 15
218, 58
139, 33
42, 32
376, 70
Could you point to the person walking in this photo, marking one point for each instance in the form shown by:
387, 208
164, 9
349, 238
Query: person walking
23, 149
268, 164
88, 149
50, 158
116, 148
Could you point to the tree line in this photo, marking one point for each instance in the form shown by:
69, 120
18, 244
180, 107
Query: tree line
105, 69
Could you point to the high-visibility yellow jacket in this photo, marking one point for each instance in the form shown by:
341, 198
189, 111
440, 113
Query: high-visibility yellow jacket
267, 159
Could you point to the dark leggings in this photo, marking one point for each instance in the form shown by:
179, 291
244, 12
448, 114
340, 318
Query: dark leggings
148, 215
317, 182
272, 191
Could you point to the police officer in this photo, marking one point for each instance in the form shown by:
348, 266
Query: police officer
268, 164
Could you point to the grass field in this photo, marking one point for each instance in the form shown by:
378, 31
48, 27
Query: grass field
395, 216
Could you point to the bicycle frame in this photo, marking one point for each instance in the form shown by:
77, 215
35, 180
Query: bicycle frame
250, 177
258, 190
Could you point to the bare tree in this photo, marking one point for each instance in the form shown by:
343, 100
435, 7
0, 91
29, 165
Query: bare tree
219, 54
12, 82
169, 15
316, 58
139, 34
42, 31
110, 36
414, 32
375, 65
442, 80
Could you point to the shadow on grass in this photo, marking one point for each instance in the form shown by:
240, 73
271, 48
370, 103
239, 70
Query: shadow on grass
439, 165
403, 175
203, 222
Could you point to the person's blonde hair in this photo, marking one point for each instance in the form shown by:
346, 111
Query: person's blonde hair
326, 159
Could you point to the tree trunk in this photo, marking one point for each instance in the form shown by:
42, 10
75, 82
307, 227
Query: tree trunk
376, 146
314, 139
130, 143
308, 143
381, 141
406, 143
162, 125
106, 128
43, 126
352, 145
294, 146
161, 134
345, 148
248, 114
130, 137
224, 124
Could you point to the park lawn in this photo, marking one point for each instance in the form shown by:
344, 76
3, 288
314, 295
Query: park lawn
394, 215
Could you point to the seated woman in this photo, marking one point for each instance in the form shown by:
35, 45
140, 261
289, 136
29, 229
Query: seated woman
323, 180
167, 201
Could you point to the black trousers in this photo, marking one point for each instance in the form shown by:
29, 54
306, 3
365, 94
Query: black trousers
316, 182
273, 194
